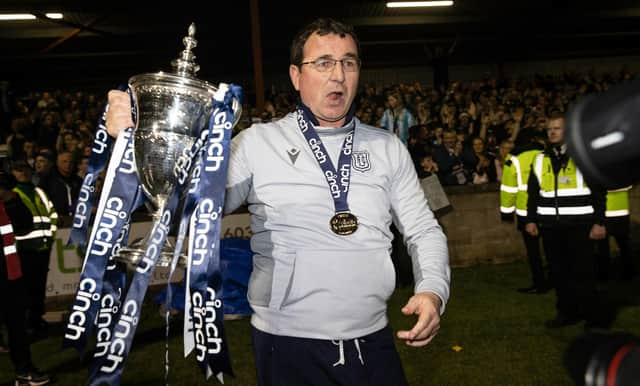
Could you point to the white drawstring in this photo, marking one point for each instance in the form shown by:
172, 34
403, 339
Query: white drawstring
359, 353
340, 344
340, 361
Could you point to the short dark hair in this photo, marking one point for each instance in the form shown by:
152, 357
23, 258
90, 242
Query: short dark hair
556, 114
321, 26
21, 166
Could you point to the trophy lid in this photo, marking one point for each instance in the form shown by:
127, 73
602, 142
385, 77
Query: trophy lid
185, 65
184, 71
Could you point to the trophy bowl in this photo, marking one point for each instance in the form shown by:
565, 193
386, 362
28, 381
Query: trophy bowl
171, 111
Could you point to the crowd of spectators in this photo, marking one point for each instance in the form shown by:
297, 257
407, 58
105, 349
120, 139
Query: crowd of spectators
461, 132
52, 133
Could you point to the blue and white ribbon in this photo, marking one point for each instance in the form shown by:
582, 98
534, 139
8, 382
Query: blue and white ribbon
201, 214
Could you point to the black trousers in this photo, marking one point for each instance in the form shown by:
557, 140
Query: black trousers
13, 313
534, 257
35, 268
571, 258
289, 361
532, 245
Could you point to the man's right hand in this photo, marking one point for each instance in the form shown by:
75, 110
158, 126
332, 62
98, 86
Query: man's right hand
119, 112
531, 229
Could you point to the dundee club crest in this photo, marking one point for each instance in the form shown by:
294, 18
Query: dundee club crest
360, 161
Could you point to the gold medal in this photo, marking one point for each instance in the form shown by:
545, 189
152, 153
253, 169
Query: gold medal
344, 223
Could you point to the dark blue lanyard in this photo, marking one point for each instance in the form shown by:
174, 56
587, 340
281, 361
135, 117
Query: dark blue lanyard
338, 180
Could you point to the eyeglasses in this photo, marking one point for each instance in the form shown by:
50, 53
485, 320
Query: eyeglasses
327, 64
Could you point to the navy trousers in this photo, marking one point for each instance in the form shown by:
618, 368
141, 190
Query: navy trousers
371, 360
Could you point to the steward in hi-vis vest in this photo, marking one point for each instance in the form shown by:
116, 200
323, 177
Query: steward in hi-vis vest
513, 199
618, 202
618, 223
14, 221
568, 213
44, 216
35, 246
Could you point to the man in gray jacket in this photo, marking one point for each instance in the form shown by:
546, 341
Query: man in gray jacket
323, 189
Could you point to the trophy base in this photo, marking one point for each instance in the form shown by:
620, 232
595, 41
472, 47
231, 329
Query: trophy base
132, 255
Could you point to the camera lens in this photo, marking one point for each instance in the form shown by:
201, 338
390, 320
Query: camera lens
616, 362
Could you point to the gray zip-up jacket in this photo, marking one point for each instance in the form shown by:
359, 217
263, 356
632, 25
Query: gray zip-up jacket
306, 280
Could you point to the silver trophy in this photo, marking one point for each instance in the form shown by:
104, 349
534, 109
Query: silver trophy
171, 110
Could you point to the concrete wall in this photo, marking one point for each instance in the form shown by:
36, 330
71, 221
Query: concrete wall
476, 234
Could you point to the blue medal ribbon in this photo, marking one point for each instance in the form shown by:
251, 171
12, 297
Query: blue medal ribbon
338, 180
97, 160
109, 367
114, 283
214, 182
205, 311
116, 204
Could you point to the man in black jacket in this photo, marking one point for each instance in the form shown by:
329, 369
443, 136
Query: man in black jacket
15, 218
568, 213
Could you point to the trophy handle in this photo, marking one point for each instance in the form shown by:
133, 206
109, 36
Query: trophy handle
236, 106
237, 111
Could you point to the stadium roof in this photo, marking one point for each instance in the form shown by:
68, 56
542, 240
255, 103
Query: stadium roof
99, 41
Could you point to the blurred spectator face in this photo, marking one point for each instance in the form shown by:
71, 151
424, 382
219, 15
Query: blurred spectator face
83, 127
42, 165
65, 164
17, 124
21, 108
368, 90
449, 140
542, 123
555, 131
505, 148
268, 107
428, 164
392, 101
47, 120
366, 117
478, 145
83, 165
28, 148
436, 135
510, 125
491, 141
530, 120
69, 141
379, 112
67, 118
22, 174
453, 109
423, 134
519, 111
435, 96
